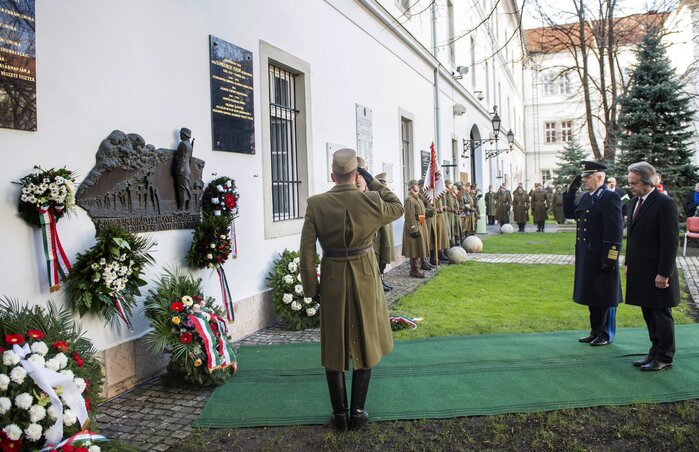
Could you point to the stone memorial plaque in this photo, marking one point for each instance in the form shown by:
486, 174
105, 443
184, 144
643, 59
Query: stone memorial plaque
424, 163
17, 65
133, 185
232, 120
365, 136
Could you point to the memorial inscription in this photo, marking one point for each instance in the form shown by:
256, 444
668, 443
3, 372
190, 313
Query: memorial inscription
232, 120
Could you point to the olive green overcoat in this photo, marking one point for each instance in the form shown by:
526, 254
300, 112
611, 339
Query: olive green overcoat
353, 313
558, 208
490, 203
414, 246
503, 201
383, 245
520, 206
540, 205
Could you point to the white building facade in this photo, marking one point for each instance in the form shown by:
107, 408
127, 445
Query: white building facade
362, 73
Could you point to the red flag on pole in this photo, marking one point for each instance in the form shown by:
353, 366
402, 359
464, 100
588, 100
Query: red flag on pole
434, 182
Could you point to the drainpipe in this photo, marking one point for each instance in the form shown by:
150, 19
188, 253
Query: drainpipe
436, 81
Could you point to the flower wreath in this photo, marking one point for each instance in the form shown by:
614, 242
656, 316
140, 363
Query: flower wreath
221, 198
107, 277
298, 311
45, 198
189, 325
48, 376
211, 247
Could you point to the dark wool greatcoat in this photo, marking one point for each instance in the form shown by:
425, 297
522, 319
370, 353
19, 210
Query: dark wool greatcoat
490, 204
651, 249
503, 200
558, 208
353, 313
414, 246
600, 229
520, 206
540, 205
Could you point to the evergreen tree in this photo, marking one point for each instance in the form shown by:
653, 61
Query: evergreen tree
655, 118
569, 159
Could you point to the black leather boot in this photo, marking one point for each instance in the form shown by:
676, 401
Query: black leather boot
360, 388
443, 259
433, 260
338, 399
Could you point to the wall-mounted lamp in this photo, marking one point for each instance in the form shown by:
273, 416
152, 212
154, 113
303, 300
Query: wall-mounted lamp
459, 109
490, 153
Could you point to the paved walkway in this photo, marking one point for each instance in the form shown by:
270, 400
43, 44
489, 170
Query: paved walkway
155, 417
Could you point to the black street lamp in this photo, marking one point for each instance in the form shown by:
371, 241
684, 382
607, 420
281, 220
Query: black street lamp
490, 153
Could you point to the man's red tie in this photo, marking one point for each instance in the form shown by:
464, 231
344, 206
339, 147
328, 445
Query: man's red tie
638, 209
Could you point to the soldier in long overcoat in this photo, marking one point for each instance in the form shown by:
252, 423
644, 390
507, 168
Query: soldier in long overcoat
651, 250
354, 321
430, 221
470, 212
597, 246
383, 243
557, 206
490, 205
503, 201
540, 205
415, 240
520, 207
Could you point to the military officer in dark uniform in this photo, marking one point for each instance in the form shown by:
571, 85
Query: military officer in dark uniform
600, 229
354, 325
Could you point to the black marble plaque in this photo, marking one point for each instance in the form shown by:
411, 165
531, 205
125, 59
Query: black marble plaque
232, 120
17, 65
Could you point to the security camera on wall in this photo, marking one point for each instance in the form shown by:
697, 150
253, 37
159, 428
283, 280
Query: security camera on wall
460, 72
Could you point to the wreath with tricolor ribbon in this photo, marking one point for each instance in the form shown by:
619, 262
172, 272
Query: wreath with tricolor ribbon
45, 198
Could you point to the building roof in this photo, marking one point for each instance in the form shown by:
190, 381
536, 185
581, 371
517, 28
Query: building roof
629, 30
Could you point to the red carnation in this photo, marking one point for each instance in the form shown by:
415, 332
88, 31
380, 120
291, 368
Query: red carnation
68, 448
230, 201
14, 339
35, 334
81, 449
87, 403
61, 346
177, 306
78, 360
186, 338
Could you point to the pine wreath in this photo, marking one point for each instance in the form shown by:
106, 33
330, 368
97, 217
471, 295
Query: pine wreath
221, 198
53, 188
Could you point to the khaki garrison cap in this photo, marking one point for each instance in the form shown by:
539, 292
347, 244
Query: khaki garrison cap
344, 161
361, 162
412, 183
381, 177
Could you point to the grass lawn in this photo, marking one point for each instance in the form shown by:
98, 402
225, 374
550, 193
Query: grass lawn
481, 298
530, 243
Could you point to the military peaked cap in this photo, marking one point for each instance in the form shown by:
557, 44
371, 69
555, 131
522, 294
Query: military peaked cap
591, 167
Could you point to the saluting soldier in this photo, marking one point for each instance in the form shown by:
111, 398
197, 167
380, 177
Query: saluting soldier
600, 229
383, 243
503, 201
520, 207
490, 205
415, 240
540, 205
354, 321
557, 206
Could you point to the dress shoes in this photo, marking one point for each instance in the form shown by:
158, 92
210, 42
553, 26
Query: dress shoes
599, 341
386, 287
656, 365
642, 362
587, 339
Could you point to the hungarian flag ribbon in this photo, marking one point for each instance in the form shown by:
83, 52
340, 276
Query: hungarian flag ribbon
119, 301
225, 294
57, 264
84, 435
219, 353
224, 347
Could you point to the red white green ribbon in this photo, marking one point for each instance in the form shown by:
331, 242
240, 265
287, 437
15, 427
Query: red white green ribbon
224, 347
84, 435
405, 321
219, 353
120, 302
225, 294
57, 264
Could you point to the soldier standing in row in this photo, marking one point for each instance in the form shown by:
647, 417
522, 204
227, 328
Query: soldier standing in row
503, 200
354, 323
520, 207
540, 205
383, 243
415, 240
470, 211
557, 206
490, 205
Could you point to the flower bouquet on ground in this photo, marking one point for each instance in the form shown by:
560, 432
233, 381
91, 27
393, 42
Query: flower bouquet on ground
191, 328
48, 377
106, 279
46, 197
297, 310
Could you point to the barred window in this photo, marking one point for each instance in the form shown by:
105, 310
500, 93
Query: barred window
285, 171
567, 131
550, 130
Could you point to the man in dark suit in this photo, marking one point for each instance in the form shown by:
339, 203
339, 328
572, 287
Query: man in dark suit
600, 228
651, 249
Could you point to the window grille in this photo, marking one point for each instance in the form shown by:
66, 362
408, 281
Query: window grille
285, 171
